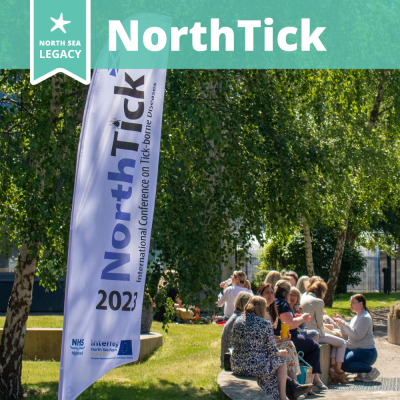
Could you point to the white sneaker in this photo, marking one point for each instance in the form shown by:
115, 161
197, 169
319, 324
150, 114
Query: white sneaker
371, 376
360, 377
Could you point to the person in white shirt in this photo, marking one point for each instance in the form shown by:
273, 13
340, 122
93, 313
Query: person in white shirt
231, 292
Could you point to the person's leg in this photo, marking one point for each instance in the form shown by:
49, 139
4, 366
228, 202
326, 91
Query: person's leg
270, 385
281, 376
333, 356
313, 358
292, 375
359, 360
338, 351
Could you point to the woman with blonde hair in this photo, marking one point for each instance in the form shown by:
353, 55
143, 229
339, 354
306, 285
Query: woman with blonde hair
231, 292
241, 300
273, 277
254, 350
313, 303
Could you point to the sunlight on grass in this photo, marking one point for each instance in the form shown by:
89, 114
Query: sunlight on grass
341, 305
186, 366
40, 321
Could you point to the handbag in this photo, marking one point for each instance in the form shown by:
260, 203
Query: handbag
305, 376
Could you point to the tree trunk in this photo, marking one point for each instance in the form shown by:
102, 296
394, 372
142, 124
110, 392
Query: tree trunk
352, 236
13, 339
335, 266
308, 246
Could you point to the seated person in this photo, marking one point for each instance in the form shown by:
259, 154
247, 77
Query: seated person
294, 300
308, 346
361, 352
293, 367
254, 350
293, 389
241, 300
313, 303
169, 282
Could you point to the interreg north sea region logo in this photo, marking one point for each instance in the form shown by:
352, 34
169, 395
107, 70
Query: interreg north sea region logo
77, 347
109, 349
60, 39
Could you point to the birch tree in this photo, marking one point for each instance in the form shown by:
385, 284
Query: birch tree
39, 131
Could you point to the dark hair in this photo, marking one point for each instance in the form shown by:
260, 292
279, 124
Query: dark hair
292, 274
273, 311
361, 299
317, 288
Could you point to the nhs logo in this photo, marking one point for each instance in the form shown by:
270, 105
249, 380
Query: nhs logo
77, 345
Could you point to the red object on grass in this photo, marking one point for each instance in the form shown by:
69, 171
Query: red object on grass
222, 323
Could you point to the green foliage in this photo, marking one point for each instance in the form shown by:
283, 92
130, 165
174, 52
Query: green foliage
291, 255
222, 136
258, 280
39, 131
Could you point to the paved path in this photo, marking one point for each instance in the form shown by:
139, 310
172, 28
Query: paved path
355, 395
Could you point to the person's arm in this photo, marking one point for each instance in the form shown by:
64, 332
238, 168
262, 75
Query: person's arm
359, 330
221, 301
293, 322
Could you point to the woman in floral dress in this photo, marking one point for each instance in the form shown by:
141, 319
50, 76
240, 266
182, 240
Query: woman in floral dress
255, 352
293, 367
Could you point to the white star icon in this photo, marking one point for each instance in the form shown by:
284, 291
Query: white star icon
59, 23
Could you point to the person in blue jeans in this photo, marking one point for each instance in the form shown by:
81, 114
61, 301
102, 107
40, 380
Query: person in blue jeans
361, 352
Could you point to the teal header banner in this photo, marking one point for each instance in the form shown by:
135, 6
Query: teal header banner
224, 34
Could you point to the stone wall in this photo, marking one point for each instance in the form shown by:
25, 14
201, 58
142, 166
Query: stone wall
45, 344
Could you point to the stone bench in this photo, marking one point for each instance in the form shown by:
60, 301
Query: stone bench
45, 344
325, 360
240, 388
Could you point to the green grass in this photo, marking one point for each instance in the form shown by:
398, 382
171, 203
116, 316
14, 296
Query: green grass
185, 367
41, 321
341, 305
